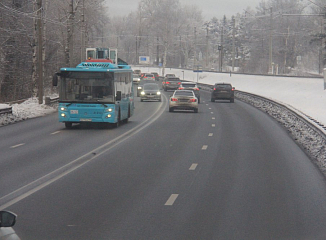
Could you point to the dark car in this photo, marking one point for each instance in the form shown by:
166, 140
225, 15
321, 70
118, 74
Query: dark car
171, 83
141, 84
223, 91
150, 91
191, 86
156, 75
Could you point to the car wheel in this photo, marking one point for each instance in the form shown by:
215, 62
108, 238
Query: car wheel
232, 100
212, 100
141, 100
198, 100
170, 109
196, 110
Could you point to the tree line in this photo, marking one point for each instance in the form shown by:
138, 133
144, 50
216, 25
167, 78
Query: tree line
277, 37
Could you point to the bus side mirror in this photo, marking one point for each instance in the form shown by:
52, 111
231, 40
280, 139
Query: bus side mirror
7, 219
118, 97
55, 80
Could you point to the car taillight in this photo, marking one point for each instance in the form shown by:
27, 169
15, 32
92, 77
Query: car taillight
179, 83
192, 100
197, 89
232, 89
167, 82
214, 89
174, 99
180, 88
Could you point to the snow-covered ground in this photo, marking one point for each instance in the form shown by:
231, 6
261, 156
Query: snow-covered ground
28, 109
306, 95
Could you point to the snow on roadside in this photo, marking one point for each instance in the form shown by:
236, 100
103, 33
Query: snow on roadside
28, 109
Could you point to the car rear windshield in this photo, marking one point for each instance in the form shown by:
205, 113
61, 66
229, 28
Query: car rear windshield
174, 80
149, 75
183, 93
225, 86
189, 85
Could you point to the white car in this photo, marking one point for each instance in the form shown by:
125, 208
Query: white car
184, 100
136, 78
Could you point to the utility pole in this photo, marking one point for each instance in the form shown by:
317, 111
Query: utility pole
83, 50
271, 43
207, 47
157, 52
40, 51
221, 49
195, 45
71, 33
324, 47
233, 44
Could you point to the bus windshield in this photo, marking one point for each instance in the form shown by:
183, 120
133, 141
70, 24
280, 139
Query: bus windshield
87, 90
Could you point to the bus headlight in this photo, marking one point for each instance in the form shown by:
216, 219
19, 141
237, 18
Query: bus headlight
108, 116
63, 109
109, 110
63, 115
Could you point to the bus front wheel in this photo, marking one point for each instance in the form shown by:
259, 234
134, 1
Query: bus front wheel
68, 125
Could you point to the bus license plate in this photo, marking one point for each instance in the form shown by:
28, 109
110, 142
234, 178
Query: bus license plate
73, 111
85, 120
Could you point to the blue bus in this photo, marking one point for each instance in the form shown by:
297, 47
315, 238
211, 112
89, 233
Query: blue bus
95, 91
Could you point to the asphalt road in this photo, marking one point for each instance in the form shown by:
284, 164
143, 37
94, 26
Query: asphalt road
227, 172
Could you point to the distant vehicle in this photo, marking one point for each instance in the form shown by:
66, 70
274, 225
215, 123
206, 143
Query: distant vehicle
7, 221
148, 76
184, 100
150, 91
222, 91
190, 86
156, 75
141, 84
169, 75
137, 71
171, 83
136, 78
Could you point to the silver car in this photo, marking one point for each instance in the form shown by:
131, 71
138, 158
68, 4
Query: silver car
150, 91
184, 100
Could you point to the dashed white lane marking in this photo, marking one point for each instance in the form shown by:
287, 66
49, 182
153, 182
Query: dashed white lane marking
209, 108
18, 145
213, 125
204, 147
212, 112
206, 104
213, 118
55, 132
171, 200
193, 166
210, 134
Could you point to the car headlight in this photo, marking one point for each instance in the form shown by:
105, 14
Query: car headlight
139, 87
158, 93
142, 93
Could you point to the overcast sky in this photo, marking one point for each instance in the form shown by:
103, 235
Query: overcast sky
210, 8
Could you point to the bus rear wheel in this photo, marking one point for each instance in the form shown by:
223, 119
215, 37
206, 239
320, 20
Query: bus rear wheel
68, 125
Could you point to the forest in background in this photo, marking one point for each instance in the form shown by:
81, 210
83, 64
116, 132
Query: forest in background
277, 37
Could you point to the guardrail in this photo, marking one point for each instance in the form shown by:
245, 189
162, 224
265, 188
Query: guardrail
50, 101
6, 110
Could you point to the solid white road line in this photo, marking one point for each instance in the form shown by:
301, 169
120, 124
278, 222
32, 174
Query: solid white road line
18, 145
171, 199
193, 166
204, 147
